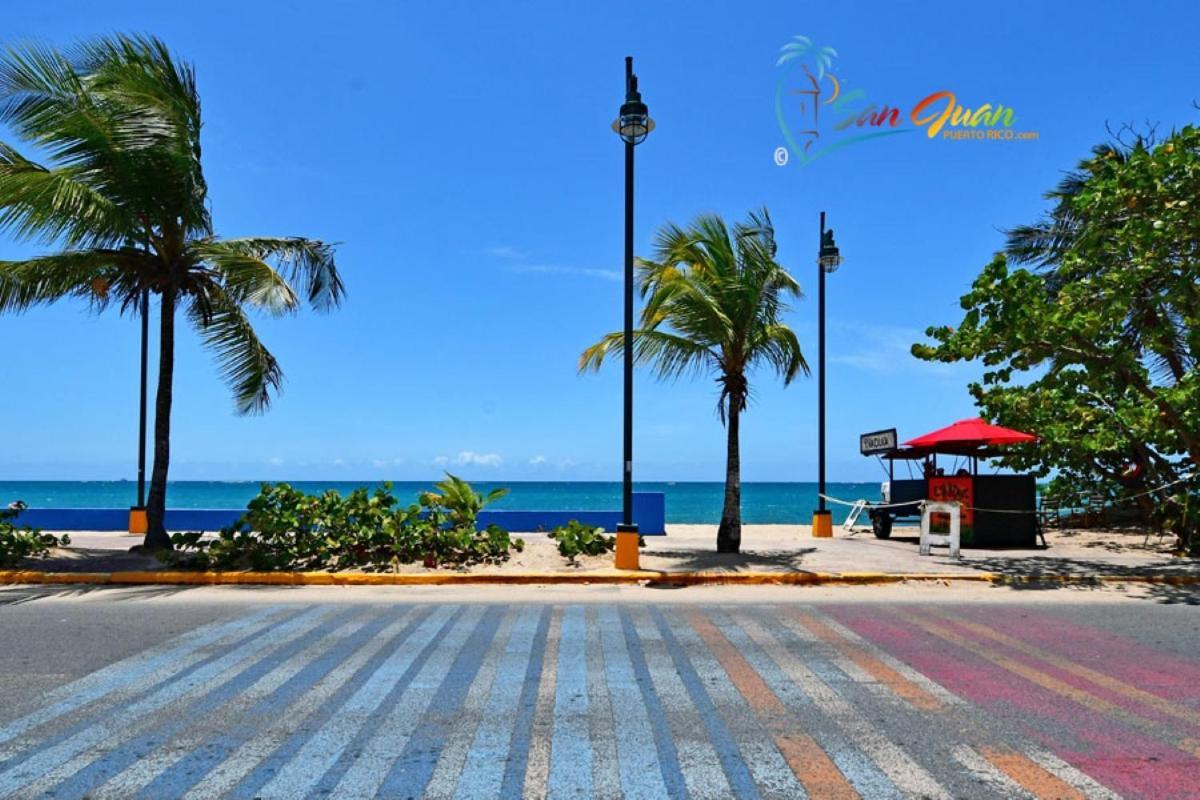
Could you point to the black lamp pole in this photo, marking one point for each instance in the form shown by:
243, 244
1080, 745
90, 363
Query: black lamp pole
828, 259
633, 125
821, 377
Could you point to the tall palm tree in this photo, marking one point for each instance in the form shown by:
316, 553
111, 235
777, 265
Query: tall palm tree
122, 198
714, 298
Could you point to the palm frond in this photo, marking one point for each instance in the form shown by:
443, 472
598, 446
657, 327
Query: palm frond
246, 278
245, 364
307, 264
86, 274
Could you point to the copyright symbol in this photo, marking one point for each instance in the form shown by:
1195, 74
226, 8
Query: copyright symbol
781, 156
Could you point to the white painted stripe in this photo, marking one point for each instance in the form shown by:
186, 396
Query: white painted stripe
1069, 775
129, 677
771, 772
698, 760
637, 754
988, 774
324, 748
370, 769
454, 753
59, 762
606, 774
130, 781
906, 774
912, 674
267, 739
483, 773
571, 761
537, 762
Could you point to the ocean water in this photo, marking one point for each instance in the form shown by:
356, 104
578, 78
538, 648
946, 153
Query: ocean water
686, 502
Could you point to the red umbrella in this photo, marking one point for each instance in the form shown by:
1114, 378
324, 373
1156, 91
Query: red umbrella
974, 432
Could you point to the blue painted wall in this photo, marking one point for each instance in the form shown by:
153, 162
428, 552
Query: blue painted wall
649, 512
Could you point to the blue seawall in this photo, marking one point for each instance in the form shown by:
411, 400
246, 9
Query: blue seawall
649, 512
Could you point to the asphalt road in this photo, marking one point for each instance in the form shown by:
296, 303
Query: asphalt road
605, 692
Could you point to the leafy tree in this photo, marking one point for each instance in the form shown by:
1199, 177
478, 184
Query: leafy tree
715, 296
123, 195
1095, 345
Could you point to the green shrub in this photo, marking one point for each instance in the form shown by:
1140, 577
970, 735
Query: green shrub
577, 539
285, 529
18, 544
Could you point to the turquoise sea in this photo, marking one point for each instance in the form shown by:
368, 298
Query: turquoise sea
686, 502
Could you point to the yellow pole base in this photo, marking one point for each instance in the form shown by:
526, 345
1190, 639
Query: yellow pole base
627, 551
139, 523
822, 525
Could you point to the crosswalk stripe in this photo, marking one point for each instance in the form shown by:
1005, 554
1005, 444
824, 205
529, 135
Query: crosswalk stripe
902, 773
54, 763
1043, 679
243, 760
602, 728
373, 761
639, 768
320, 751
487, 753
571, 766
132, 676
988, 774
537, 761
1030, 776
196, 750
411, 771
453, 756
1133, 693
145, 763
955, 704
804, 758
698, 760
515, 739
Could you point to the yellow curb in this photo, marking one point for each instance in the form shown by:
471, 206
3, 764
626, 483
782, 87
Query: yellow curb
600, 576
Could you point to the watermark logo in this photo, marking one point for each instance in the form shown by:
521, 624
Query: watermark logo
818, 113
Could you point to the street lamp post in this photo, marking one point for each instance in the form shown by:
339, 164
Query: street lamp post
828, 260
138, 524
633, 125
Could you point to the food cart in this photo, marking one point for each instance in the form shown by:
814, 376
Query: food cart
997, 510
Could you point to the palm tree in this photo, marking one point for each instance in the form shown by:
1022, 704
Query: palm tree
123, 200
715, 297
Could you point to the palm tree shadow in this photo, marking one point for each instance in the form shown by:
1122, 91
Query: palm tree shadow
789, 560
19, 594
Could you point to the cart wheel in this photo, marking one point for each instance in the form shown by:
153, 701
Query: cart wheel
881, 526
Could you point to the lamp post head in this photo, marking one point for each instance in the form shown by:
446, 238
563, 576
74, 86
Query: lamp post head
633, 124
830, 257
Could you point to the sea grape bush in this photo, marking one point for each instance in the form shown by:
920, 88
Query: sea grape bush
18, 544
286, 529
575, 539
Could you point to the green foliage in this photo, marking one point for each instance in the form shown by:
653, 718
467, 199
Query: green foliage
576, 539
18, 544
1095, 347
285, 529
460, 499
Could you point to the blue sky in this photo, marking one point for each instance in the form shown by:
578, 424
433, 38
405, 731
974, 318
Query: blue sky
461, 154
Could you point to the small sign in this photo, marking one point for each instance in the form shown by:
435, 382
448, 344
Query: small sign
877, 442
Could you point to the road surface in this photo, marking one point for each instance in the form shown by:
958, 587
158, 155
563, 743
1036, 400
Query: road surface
604, 692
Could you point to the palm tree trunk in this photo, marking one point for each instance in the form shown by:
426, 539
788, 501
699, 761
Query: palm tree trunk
729, 534
156, 507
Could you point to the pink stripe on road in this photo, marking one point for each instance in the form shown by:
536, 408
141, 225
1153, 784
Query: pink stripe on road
1176, 719
1147, 668
1109, 750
